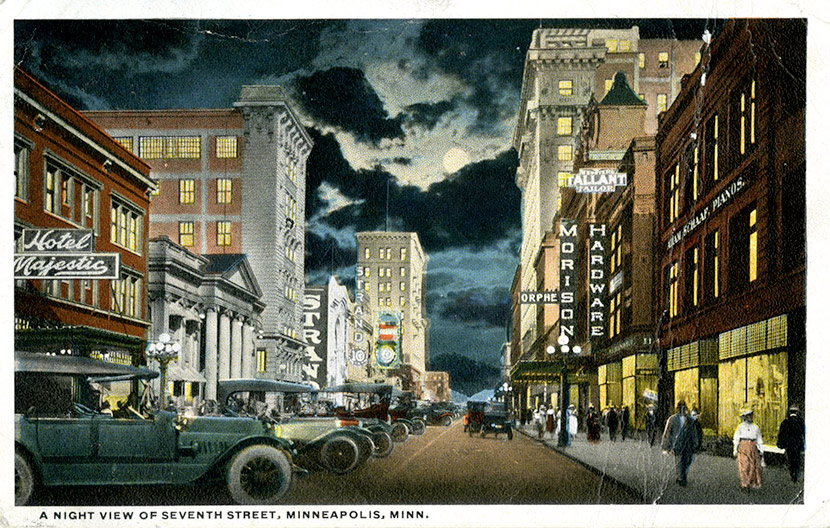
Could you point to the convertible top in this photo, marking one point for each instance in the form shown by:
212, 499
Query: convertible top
232, 386
78, 366
375, 388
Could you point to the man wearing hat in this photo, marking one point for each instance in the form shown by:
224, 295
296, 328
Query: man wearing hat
679, 438
748, 447
791, 440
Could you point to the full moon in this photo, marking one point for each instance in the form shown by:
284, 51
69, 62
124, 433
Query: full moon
455, 158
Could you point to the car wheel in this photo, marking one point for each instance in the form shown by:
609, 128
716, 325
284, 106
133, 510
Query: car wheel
24, 480
419, 427
340, 454
383, 444
446, 421
366, 447
400, 432
259, 474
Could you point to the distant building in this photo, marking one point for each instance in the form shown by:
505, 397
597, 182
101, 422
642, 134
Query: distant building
69, 174
391, 273
731, 229
437, 386
232, 181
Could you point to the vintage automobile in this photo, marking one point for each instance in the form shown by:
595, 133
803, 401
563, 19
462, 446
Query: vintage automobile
439, 413
404, 406
61, 438
488, 417
369, 403
338, 445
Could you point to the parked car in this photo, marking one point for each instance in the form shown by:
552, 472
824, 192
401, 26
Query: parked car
63, 438
369, 402
338, 445
439, 413
488, 417
404, 406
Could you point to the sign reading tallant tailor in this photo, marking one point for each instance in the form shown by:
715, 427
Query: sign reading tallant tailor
597, 180
63, 254
315, 332
596, 280
567, 276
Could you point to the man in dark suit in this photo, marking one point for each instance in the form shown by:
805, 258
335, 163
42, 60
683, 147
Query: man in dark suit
680, 438
791, 440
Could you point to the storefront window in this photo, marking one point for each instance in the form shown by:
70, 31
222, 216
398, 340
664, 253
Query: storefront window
758, 382
686, 387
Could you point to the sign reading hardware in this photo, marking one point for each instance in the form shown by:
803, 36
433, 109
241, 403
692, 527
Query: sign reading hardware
596, 280
65, 266
597, 180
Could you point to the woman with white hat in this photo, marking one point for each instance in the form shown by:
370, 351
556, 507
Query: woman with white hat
748, 446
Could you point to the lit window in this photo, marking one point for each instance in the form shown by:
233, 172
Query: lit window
662, 102
566, 87
223, 233
663, 59
673, 292
291, 171
126, 296
368, 270
291, 209
616, 249
125, 141
753, 245
611, 45
403, 272
692, 276
625, 46
170, 147
642, 57
187, 191
226, 147
49, 196
261, 359
403, 302
747, 118
389, 253
290, 253
565, 152
403, 286
403, 253
65, 191
186, 234
711, 266
367, 254
674, 194
21, 170
697, 58
712, 149
564, 126
89, 203
126, 225
224, 191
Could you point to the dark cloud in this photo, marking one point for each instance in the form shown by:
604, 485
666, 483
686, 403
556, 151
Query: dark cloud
402, 161
427, 115
342, 97
324, 253
476, 306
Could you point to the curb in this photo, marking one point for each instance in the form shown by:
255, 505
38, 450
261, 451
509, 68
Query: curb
634, 491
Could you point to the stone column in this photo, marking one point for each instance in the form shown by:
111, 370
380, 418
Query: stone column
236, 347
247, 351
211, 369
224, 346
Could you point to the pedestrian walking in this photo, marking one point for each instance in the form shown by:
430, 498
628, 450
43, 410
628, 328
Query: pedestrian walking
651, 424
680, 438
695, 416
625, 422
612, 420
748, 447
573, 421
791, 440
550, 420
593, 425
538, 421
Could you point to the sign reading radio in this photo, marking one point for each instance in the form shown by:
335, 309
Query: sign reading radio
567, 276
63, 254
596, 280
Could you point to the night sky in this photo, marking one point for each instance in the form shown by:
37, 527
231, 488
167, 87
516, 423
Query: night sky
421, 110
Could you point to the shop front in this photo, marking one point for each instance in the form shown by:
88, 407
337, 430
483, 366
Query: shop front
639, 379
694, 366
609, 379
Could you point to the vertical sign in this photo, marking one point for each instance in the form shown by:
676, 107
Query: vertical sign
315, 332
359, 353
596, 281
389, 340
567, 276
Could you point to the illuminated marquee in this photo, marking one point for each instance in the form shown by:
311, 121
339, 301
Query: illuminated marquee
597, 180
596, 280
567, 276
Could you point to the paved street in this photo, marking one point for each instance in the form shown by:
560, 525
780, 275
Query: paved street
444, 466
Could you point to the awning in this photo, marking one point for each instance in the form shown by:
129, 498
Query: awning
79, 338
536, 371
176, 372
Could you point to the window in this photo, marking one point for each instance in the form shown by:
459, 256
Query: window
612, 45
712, 150
403, 302
564, 126
368, 270
745, 106
125, 141
753, 245
711, 266
290, 253
616, 249
403, 286
625, 46
65, 190
224, 191
673, 187
226, 147
389, 253
403, 272
261, 359
565, 153
697, 58
615, 314
49, 199
690, 175
126, 224
187, 191
743, 248
673, 271
291, 209
692, 277
127, 295
566, 87
642, 57
563, 178
662, 102
290, 293
170, 147
223, 233
381, 272
609, 83
186, 234
403, 253
21, 170
367, 254
663, 59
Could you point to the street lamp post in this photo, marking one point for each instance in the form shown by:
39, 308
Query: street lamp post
564, 387
164, 351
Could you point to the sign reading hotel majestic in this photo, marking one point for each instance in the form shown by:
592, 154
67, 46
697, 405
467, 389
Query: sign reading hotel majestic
597, 180
63, 254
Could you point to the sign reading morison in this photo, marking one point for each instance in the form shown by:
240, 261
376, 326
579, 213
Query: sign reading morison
567, 275
63, 254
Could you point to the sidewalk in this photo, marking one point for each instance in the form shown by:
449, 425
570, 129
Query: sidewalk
645, 469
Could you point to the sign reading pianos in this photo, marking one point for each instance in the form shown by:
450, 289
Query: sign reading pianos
63, 254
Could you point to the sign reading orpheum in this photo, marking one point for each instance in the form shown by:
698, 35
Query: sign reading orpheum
63, 254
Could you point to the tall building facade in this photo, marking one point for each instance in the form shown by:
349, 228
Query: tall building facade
565, 71
69, 174
391, 272
731, 229
232, 181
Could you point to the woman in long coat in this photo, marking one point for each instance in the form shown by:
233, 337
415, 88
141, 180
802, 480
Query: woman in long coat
747, 446
593, 423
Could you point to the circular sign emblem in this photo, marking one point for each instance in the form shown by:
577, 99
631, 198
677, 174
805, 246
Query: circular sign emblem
386, 355
358, 357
